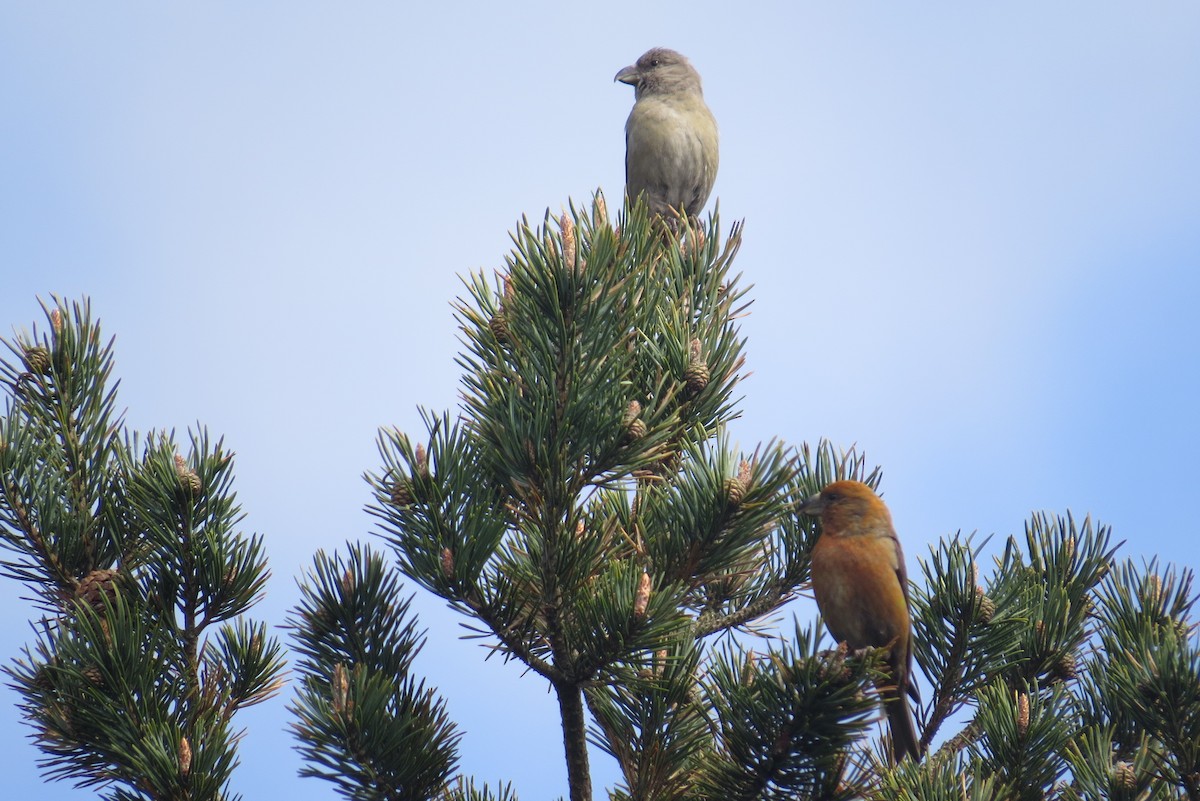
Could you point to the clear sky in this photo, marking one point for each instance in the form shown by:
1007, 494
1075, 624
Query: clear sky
973, 231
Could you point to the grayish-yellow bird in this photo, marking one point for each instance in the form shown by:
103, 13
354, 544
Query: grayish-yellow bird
670, 136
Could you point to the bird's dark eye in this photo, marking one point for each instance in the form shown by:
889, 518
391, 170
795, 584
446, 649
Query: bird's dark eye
654, 62
832, 497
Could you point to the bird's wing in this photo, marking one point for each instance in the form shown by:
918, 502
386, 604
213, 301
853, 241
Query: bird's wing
902, 577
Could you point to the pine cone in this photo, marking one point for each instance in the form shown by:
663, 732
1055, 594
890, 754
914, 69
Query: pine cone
499, 326
1064, 668
696, 378
634, 427
1124, 777
97, 587
189, 480
37, 360
43, 678
402, 493
735, 491
987, 607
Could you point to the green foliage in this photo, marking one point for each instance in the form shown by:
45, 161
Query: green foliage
60, 437
961, 638
941, 777
587, 513
364, 723
143, 656
465, 790
785, 721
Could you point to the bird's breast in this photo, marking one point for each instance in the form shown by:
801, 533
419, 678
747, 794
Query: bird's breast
858, 591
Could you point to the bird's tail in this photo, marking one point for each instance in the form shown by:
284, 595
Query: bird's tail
905, 742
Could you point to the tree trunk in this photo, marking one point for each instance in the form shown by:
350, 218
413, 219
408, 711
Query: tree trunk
579, 773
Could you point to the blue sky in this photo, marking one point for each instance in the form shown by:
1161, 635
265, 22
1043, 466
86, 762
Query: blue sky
972, 230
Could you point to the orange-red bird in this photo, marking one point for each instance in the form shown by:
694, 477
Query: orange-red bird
861, 585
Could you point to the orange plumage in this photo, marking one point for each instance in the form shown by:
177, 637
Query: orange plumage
861, 585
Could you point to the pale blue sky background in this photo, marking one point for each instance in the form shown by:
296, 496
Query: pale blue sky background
973, 231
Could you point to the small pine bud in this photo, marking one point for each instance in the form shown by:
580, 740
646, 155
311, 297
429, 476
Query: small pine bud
56, 321
1065, 668
642, 598
579, 530
748, 670
1124, 777
97, 587
37, 360
632, 411
986, 606
599, 211
1022, 715
341, 688
1152, 591
833, 666
189, 480
347, 582
93, 675
567, 226
421, 462
660, 662
447, 563
185, 757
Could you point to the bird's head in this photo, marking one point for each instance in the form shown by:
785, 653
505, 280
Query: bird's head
845, 506
660, 71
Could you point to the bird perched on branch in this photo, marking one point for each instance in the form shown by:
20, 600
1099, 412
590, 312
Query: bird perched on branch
861, 585
670, 136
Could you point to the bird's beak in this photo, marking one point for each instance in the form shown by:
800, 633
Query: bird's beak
812, 505
628, 75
